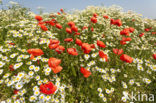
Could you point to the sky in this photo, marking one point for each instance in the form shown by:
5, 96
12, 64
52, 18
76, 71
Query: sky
145, 7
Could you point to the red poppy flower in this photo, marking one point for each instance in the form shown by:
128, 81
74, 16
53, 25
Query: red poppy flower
68, 30
53, 20
106, 17
85, 27
93, 20
77, 33
53, 44
53, 41
86, 48
48, 88
38, 18
95, 15
58, 13
141, 34
43, 27
92, 45
118, 22
51, 23
54, 62
101, 44
78, 42
72, 51
123, 42
154, 56
11, 67
148, 29
118, 51
126, 39
103, 55
11, 43
112, 21
86, 73
40, 23
92, 29
126, 58
61, 10
68, 40
16, 91
153, 32
60, 49
74, 28
71, 23
58, 26
35, 52
125, 32
56, 69
131, 29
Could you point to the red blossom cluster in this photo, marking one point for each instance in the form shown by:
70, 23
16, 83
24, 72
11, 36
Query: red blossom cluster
86, 48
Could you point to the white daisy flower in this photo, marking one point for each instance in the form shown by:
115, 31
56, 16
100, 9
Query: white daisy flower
45, 80
13, 55
124, 99
18, 86
37, 77
47, 73
131, 82
31, 73
94, 55
42, 96
99, 90
57, 101
48, 69
39, 82
20, 75
1, 71
37, 68
32, 98
31, 67
29, 63
86, 56
1, 64
35, 88
26, 56
124, 85
108, 91
36, 93
6, 75
48, 97
1, 81
101, 95
17, 65
104, 99
10, 83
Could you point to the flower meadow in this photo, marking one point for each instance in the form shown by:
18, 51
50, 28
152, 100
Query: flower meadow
96, 55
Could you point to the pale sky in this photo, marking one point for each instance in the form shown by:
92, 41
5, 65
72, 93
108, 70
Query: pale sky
145, 7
